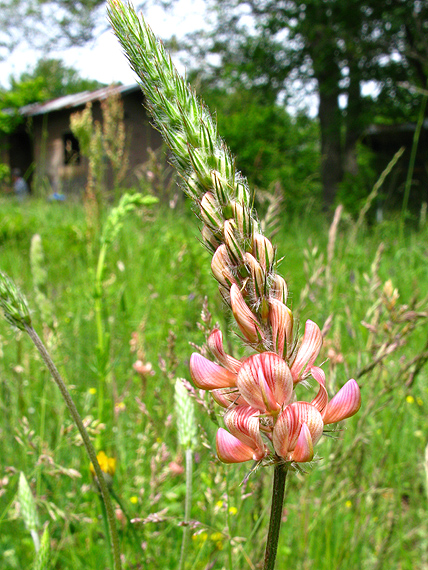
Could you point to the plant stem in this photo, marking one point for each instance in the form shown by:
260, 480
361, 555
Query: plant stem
86, 440
100, 330
278, 489
187, 507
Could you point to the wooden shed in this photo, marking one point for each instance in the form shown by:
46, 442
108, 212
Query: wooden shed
44, 143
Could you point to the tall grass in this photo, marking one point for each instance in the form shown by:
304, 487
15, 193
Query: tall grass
365, 509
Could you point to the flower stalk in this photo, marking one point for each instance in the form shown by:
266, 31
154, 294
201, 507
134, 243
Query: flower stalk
265, 421
17, 313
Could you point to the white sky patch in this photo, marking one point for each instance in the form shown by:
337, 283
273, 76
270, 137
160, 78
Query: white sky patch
102, 59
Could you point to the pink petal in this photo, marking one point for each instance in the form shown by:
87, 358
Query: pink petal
243, 423
276, 374
215, 344
230, 449
288, 426
281, 320
285, 424
227, 398
345, 403
308, 351
208, 376
321, 399
304, 450
244, 318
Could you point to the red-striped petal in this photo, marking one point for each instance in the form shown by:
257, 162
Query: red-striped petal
243, 423
308, 351
288, 425
321, 399
230, 449
345, 403
274, 370
215, 344
227, 398
209, 376
304, 450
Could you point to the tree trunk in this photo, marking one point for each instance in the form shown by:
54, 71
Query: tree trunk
331, 148
354, 125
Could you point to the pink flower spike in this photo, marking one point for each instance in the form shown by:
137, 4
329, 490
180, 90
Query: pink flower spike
345, 403
230, 449
209, 376
244, 318
308, 351
304, 450
215, 344
321, 399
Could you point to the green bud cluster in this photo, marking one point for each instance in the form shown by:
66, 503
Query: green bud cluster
231, 231
43, 557
186, 421
127, 204
13, 303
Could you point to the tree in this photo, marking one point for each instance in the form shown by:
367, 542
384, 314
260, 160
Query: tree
49, 79
47, 24
331, 47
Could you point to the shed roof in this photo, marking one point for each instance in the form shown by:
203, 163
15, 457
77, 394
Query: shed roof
75, 100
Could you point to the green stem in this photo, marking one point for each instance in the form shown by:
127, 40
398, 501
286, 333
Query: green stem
86, 440
187, 507
100, 329
106, 529
412, 162
280, 475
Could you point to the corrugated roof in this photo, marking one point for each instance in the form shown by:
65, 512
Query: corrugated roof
76, 100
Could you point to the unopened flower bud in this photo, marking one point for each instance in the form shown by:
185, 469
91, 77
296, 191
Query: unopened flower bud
221, 267
243, 220
13, 303
244, 318
231, 240
257, 275
279, 289
281, 320
209, 211
220, 187
263, 251
210, 239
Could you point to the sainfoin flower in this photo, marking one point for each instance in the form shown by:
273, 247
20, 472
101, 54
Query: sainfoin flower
263, 416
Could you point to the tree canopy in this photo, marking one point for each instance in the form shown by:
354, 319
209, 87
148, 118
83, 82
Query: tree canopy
50, 79
334, 48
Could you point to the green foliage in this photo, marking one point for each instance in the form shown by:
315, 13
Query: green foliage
43, 557
351, 510
353, 190
270, 146
49, 79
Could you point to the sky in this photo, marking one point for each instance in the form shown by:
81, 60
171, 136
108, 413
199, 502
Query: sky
102, 59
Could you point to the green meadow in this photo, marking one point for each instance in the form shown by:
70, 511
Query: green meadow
362, 504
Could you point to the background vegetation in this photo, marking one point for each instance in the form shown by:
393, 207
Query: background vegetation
363, 504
